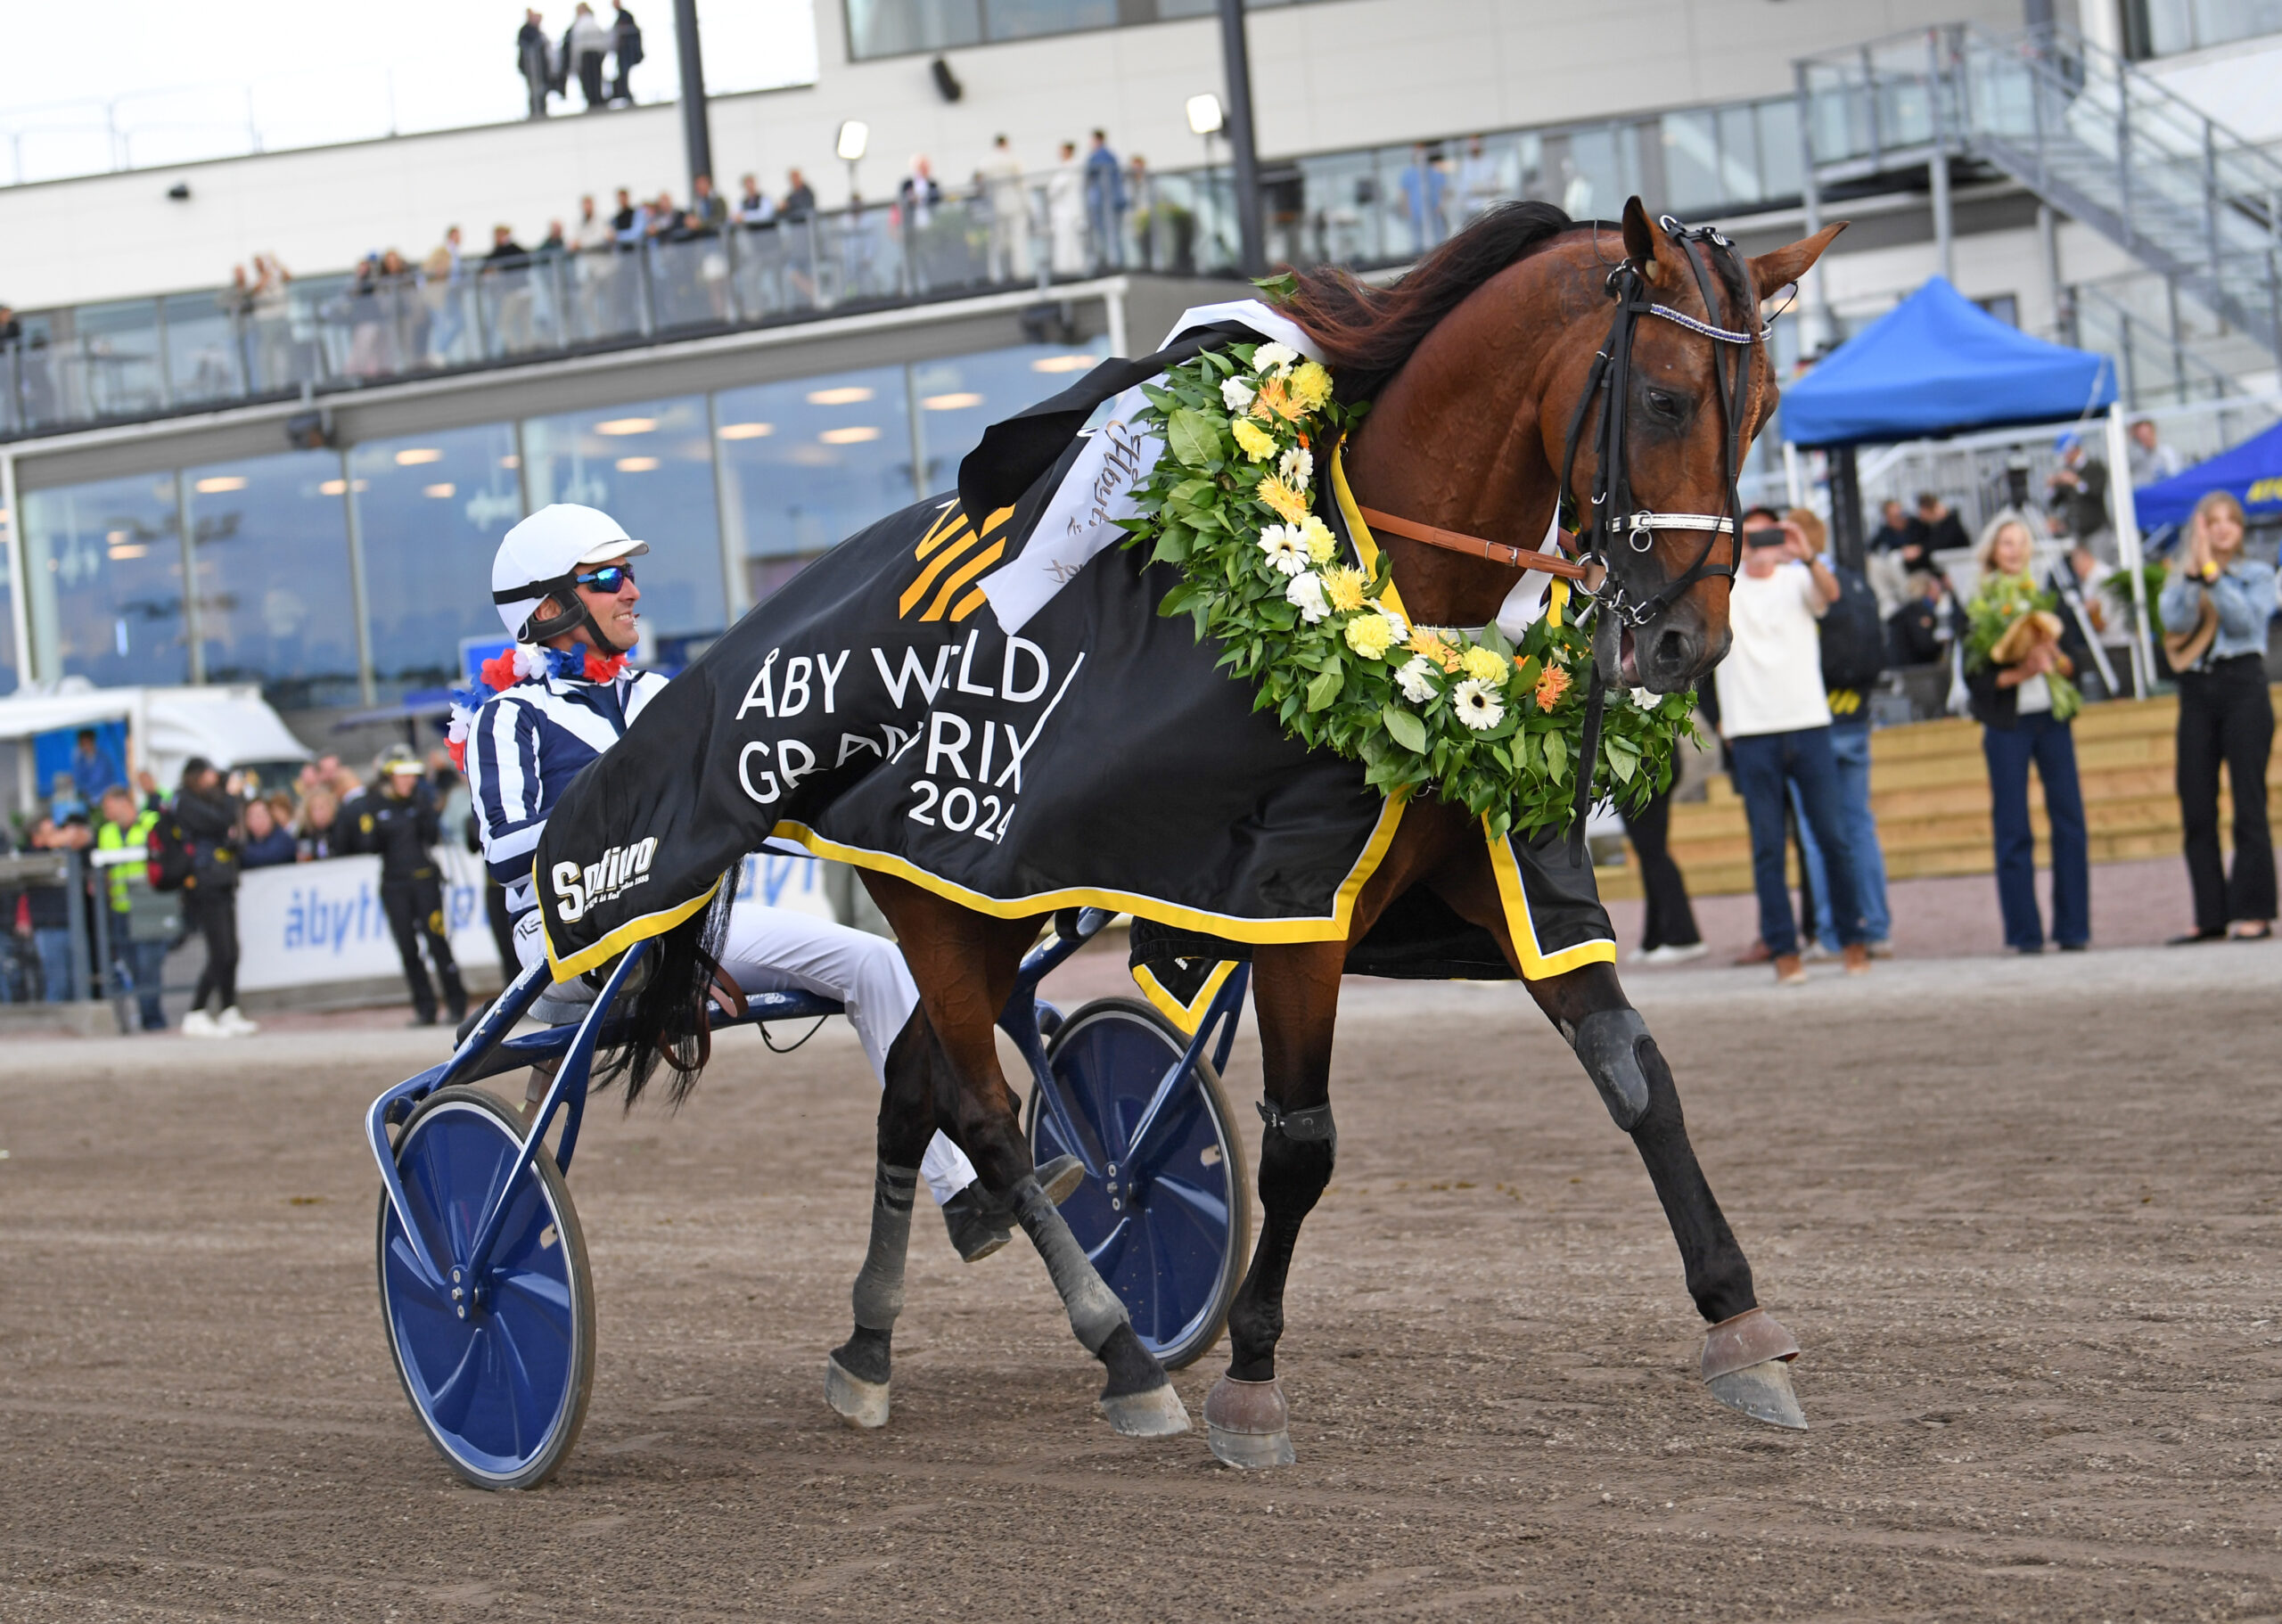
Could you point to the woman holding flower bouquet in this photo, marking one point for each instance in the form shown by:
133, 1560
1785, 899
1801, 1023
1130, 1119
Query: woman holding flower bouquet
2021, 696
2224, 714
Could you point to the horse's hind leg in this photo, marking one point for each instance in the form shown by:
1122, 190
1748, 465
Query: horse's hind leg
964, 965
856, 1375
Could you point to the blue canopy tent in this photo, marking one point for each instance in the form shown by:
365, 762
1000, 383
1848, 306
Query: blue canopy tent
2251, 470
1938, 364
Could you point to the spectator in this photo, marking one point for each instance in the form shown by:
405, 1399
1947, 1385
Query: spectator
1065, 213
626, 49
534, 59
1668, 934
268, 844
316, 834
707, 207
64, 797
594, 233
1919, 632
397, 820
94, 769
2150, 459
506, 278
208, 811
628, 222
585, 43
1140, 202
141, 919
2078, 489
146, 785
1009, 237
1777, 721
1479, 187
1105, 203
2023, 699
1422, 183
919, 194
1936, 529
1852, 639
799, 198
441, 289
51, 905
2225, 714
1896, 536
755, 208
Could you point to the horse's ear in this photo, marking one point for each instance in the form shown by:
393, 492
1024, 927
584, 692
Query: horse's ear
1639, 238
1786, 264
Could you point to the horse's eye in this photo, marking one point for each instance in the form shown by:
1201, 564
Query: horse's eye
1662, 405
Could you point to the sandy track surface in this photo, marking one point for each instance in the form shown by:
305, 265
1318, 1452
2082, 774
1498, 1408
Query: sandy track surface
2023, 1215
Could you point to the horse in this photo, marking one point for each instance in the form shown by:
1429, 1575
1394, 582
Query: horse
1485, 367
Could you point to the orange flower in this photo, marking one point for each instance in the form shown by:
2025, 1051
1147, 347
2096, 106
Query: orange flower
1424, 641
1276, 397
1286, 504
1551, 686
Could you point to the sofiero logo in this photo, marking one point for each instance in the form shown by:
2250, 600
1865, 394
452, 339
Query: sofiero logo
622, 868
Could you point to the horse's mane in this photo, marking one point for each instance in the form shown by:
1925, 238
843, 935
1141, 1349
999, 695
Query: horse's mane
1367, 333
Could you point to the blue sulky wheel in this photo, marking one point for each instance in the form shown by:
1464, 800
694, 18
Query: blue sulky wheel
1168, 1227
502, 1389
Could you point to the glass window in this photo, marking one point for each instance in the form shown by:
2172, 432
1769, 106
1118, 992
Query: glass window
2190, 24
647, 464
810, 463
430, 511
1691, 161
959, 398
891, 28
106, 570
271, 539
1778, 149
1739, 172
1026, 18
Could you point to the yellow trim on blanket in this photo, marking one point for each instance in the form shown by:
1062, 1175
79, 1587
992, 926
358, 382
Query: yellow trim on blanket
1537, 965
1366, 545
1313, 928
1185, 1016
618, 940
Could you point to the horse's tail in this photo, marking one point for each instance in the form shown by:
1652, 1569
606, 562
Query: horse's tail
662, 1017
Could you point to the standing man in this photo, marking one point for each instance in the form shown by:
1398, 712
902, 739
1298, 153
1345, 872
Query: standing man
626, 49
583, 45
535, 61
1010, 214
94, 769
1105, 203
2078, 489
207, 810
1776, 718
397, 820
137, 944
2151, 460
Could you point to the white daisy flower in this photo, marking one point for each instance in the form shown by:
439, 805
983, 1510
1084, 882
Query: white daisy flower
1306, 593
1286, 547
1413, 679
1394, 625
1273, 357
1476, 705
1297, 467
1236, 394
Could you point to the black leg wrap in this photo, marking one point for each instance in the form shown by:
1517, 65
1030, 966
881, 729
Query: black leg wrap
1608, 1045
865, 1354
1719, 1274
1131, 1367
1308, 1125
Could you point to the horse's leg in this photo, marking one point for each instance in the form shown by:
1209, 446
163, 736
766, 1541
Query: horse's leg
856, 1374
1295, 991
1745, 1354
964, 965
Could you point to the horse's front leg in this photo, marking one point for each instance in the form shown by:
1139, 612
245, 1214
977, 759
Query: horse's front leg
856, 1374
1747, 1354
1296, 996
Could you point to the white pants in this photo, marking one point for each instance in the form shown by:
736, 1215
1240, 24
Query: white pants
775, 950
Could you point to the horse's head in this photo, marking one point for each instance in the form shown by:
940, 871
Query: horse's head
1683, 437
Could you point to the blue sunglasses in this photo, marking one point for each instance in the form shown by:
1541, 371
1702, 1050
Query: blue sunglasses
609, 578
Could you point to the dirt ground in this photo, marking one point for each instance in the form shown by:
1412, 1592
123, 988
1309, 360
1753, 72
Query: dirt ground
2023, 1215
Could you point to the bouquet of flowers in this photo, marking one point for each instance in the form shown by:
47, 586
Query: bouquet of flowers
2009, 617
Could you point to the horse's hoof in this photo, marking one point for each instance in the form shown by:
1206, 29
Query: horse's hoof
1157, 1413
1248, 1423
1762, 1392
859, 1403
1746, 1365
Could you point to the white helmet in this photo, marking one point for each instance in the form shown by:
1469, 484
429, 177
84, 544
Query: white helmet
538, 559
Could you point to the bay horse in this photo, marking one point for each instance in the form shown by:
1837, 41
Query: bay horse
1480, 367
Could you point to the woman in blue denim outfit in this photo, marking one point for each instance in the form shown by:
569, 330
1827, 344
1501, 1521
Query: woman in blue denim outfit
2225, 714
2014, 704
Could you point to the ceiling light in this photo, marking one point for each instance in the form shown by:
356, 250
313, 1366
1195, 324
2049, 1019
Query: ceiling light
219, 483
747, 431
855, 136
128, 552
854, 435
414, 455
510, 461
636, 464
1204, 115
627, 425
437, 490
847, 395
333, 488
1062, 364
958, 401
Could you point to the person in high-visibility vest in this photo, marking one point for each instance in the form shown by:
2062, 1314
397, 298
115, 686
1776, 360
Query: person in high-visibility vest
141, 965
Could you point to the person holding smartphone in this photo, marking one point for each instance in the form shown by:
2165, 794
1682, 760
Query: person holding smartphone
1776, 718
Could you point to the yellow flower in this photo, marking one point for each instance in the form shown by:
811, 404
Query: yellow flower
1323, 547
1369, 635
1275, 398
1282, 500
1311, 386
1424, 641
1256, 442
1344, 589
1551, 686
1484, 665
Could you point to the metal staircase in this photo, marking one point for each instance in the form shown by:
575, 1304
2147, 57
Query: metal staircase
2084, 130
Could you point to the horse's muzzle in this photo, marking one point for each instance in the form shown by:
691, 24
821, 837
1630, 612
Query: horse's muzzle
1667, 655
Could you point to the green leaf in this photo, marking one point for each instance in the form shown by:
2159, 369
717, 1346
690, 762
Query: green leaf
1324, 688
1193, 438
1556, 755
1406, 729
1623, 765
1279, 288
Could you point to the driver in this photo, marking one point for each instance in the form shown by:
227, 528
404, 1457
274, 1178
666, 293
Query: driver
563, 581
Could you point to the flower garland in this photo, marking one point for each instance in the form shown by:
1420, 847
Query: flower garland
522, 663
1999, 603
1470, 717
